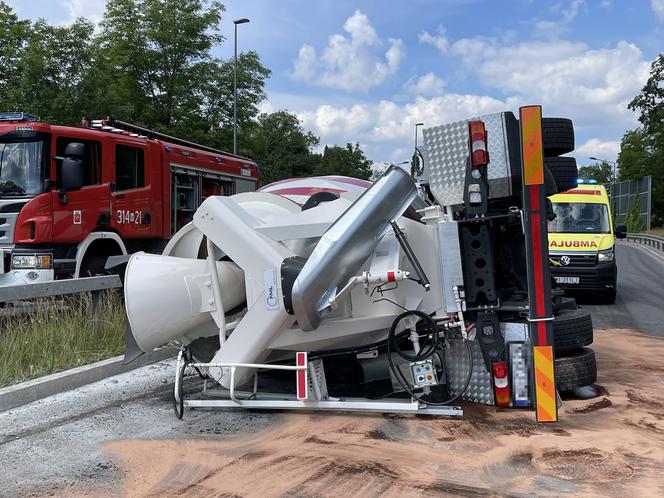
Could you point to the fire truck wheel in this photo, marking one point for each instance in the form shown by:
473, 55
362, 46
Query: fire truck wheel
93, 265
557, 136
576, 369
572, 329
564, 171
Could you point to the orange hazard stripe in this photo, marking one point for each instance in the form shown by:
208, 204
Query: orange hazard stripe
545, 385
531, 145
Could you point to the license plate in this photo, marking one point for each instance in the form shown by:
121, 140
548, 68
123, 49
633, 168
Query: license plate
567, 280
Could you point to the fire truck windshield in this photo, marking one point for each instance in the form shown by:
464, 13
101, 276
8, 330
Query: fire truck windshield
20, 168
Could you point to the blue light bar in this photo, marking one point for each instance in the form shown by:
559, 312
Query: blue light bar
592, 181
579, 181
17, 116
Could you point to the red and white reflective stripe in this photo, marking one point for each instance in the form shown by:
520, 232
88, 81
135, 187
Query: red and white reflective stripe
302, 381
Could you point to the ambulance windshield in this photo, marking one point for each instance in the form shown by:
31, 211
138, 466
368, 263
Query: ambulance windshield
580, 217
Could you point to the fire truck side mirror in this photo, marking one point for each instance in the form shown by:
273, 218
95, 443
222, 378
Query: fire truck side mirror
72, 167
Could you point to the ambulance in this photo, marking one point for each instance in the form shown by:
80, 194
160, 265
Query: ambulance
582, 242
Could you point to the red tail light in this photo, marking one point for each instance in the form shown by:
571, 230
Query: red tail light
501, 385
479, 150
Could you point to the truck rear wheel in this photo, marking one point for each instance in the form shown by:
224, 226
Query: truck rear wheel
564, 171
576, 369
557, 136
572, 329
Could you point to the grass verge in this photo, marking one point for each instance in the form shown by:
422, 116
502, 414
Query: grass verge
57, 334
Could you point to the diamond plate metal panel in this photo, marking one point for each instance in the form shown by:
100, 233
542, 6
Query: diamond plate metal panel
480, 389
446, 150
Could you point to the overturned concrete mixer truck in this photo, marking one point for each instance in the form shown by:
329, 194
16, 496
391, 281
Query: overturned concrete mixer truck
333, 293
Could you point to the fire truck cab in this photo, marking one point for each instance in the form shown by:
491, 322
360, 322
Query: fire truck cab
70, 196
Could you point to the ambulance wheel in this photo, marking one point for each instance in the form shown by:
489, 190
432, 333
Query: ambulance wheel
576, 369
557, 136
564, 171
572, 329
609, 297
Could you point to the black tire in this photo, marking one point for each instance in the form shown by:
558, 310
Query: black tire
550, 182
564, 171
557, 136
572, 329
92, 266
568, 303
576, 369
609, 297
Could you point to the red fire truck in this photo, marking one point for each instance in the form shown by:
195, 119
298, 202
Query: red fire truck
71, 196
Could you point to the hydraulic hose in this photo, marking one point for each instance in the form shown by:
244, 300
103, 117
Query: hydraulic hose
425, 353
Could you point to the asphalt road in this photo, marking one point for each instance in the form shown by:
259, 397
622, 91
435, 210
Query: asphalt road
640, 301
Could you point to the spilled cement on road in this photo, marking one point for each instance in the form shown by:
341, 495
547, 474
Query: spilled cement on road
610, 445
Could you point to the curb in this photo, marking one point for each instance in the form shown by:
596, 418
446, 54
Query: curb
32, 390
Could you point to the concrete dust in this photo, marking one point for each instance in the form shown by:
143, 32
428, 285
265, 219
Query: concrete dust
611, 445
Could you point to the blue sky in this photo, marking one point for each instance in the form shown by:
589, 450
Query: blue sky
368, 70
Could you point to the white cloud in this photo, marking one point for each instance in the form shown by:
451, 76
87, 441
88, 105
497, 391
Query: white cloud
570, 13
384, 127
597, 148
90, 9
658, 8
350, 63
552, 29
439, 41
568, 78
427, 85
306, 63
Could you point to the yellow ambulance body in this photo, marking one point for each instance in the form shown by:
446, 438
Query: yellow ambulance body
582, 242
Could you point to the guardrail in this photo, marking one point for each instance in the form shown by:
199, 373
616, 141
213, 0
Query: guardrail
648, 240
94, 285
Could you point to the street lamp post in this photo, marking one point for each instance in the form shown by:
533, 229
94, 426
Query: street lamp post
236, 22
614, 167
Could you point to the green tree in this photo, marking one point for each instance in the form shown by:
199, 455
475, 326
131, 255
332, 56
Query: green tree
600, 171
162, 45
345, 161
167, 77
635, 154
281, 147
633, 220
13, 37
50, 70
642, 150
650, 101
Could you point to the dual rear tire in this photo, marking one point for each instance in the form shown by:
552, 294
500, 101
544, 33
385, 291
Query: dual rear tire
576, 365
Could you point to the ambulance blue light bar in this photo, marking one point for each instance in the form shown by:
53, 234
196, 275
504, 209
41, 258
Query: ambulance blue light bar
581, 180
17, 116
